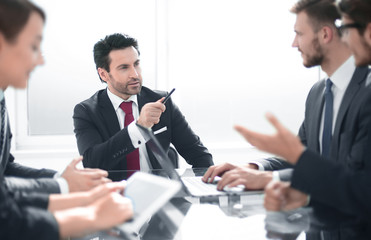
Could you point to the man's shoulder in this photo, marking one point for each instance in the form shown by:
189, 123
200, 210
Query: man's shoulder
319, 84
93, 101
317, 88
95, 98
360, 75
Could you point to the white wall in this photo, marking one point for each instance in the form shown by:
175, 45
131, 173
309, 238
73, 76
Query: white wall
231, 61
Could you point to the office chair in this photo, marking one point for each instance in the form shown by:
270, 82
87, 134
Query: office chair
173, 155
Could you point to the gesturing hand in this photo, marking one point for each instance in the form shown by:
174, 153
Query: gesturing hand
282, 143
151, 113
83, 179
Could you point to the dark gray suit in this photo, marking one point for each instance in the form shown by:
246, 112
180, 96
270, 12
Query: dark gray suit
23, 213
103, 145
340, 188
24, 220
345, 127
332, 189
18, 177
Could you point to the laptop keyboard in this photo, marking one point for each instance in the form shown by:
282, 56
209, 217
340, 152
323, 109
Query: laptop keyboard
196, 186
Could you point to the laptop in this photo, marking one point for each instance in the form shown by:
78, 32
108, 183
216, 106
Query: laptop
191, 186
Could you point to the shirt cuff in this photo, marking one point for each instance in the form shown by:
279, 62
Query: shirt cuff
63, 184
308, 201
276, 176
260, 166
136, 137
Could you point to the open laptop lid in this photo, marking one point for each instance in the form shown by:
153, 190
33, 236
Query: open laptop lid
160, 154
169, 168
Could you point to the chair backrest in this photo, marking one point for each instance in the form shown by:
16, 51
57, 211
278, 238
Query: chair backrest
173, 155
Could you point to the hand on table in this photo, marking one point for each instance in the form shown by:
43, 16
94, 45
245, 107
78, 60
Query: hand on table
279, 196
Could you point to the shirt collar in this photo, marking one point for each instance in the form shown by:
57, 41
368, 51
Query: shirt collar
342, 76
1, 94
368, 80
116, 100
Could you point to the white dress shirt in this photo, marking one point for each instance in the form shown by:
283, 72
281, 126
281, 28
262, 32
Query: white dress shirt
136, 137
340, 79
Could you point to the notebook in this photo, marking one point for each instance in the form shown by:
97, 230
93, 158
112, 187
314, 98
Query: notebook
191, 186
148, 194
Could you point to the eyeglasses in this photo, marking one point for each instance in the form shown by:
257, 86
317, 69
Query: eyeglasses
343, 27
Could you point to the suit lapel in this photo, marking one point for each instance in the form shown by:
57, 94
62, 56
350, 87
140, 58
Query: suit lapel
315, 118
356, 83
142, 99
108, 114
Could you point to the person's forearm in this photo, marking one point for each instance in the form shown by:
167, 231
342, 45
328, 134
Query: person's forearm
75, 222
59, 201
295, 154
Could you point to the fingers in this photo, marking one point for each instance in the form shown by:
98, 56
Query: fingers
151, 113
104, 181
250, 136
126, 207
89, 182
100, 172
161, 99
227, 179
102, 190
97, 182
208, 173
93, 174
274, 199
217, 170
116, 186
75, 161
274, 121
158, 105
246, 133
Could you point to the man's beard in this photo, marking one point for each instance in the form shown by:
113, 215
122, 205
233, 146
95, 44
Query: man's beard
317, 58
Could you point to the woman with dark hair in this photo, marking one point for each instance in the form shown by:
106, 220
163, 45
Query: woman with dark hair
35, 215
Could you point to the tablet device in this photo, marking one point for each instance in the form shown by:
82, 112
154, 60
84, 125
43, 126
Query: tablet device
148, 194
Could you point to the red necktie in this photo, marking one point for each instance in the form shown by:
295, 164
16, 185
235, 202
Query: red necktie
132, 158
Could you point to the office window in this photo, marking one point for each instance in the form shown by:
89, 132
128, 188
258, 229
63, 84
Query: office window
69, 75
230, 61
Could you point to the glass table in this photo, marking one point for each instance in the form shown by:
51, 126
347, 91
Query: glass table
225, 217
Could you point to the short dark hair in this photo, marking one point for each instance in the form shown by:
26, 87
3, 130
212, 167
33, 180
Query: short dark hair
14, 15
104, 46
357, 10
321, 12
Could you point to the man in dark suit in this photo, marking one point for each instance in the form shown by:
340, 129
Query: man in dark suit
320, 44
106, 138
